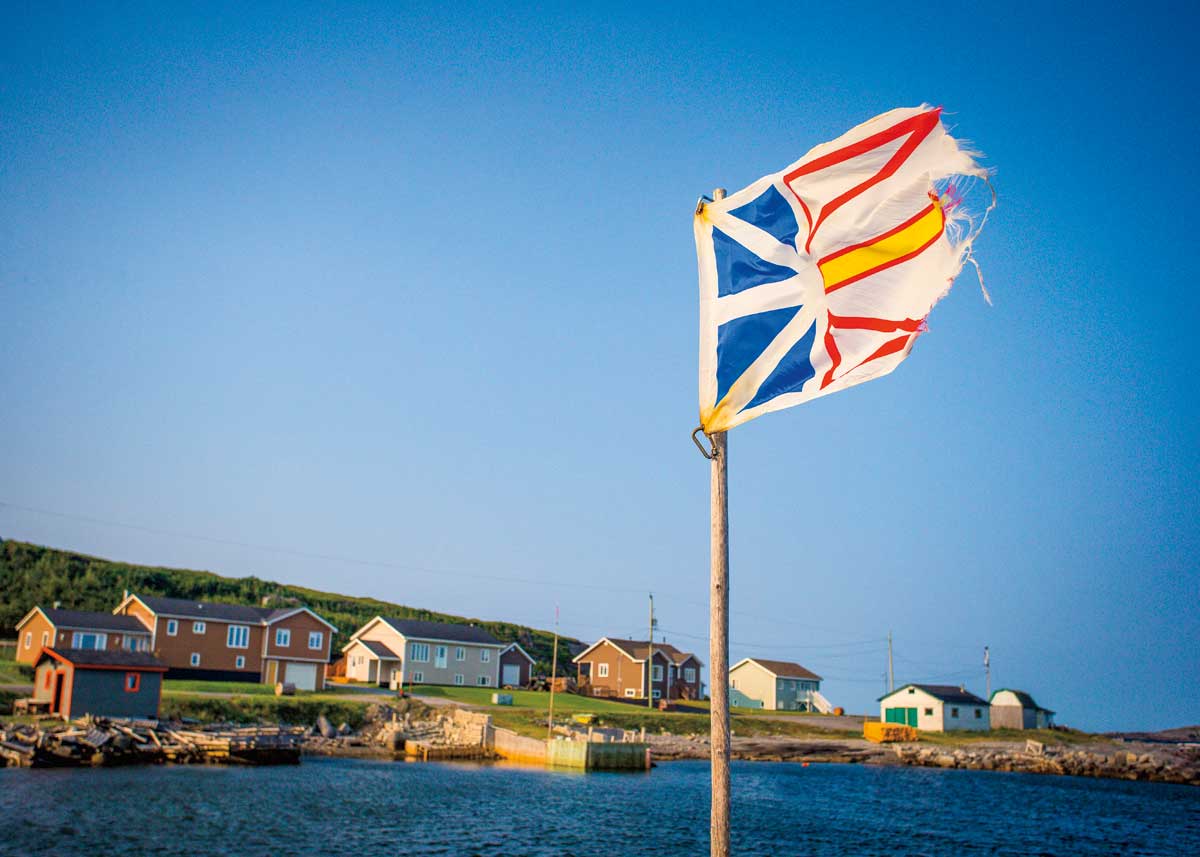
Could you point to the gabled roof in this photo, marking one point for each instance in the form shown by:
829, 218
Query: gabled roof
376, 648
243, 613
87, 620
104, 659
943, 692
517, 646
188, 609
779, 669
638, 650
1024, 698
449, 631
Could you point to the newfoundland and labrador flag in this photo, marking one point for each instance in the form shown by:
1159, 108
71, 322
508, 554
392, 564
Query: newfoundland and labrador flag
820, 276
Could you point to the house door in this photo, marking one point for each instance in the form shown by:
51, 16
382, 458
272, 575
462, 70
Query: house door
511, 674
272, 672
56, 708
912, 717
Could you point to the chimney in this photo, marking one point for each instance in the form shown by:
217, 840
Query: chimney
126, 595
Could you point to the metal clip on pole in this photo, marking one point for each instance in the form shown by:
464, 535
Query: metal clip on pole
710, 453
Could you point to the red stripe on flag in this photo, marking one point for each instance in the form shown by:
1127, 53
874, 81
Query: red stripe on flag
917, 127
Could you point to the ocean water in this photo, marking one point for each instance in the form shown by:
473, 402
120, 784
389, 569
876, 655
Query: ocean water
360, 808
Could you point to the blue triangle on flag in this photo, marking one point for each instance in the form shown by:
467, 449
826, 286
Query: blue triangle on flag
771, 213
738, 269
741, 340
793, 370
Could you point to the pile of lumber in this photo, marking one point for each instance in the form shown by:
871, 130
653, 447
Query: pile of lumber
562, 684
94, 741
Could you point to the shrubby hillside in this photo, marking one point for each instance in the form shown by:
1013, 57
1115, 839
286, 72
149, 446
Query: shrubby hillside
33, 575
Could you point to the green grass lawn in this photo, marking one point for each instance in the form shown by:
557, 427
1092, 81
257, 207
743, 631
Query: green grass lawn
10, 671
242, 688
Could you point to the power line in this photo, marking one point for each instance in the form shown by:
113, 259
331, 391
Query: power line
441, 572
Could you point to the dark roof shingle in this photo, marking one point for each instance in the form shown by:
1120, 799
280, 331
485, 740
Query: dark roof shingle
207, 609
945, 692
90, 619
379, 649
786, 669
455, 633
106, 658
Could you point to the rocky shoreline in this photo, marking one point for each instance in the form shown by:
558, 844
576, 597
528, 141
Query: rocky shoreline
1147, 762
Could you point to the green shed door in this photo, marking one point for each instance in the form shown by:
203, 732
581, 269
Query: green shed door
893, 715
912, 717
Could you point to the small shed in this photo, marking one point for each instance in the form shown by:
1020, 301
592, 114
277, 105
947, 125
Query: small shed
516, 666
102, 682
1015, 709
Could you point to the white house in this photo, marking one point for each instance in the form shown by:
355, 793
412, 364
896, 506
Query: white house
935, 708
396, 652
776, 686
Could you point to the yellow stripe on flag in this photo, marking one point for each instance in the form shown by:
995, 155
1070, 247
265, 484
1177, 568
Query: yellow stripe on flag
903, 242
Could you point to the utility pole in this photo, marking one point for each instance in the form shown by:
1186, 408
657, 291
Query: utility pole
891, 675
987, 668
650, 659
553, 674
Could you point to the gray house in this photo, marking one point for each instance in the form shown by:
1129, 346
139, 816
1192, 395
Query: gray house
102, 682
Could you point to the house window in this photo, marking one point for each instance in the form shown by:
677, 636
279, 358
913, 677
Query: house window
458, 678
420, 653
172, 627
133, 682
283, 637
689, 674
238, 637
629, 691
419, 677
912, 690
978, 713
440, 660
132, 643
484, 680
240, 662
656, 672
929, 712
954, 712
485, 655
657, 693
88, 640
460, 654
195, 660
199, 627
29, 639
45, 638
49, 677
602, 670
316, 639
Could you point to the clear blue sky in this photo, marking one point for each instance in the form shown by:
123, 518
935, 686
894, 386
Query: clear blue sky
419, 287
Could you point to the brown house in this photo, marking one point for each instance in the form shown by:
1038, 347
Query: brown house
78, 629
102, 682
235, 642
617, 667
516, 666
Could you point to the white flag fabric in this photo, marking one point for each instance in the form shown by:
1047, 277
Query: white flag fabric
820, 276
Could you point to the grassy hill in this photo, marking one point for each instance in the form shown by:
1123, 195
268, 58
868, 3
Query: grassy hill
31, 575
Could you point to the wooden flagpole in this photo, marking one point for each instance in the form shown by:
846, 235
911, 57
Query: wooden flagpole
718, 641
